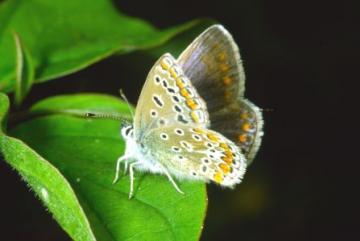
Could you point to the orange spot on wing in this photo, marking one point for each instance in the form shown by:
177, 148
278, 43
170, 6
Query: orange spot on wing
191, 103
195, 117
228, 160
215, 46
246, 127
222, 56
224, 145
228, 96
218, 177
227, 80
212, 137
184, 93
228, 154
179, 83
164, 65
224, 67
197, 130
225, 168
242, 138
173, 73
244, 116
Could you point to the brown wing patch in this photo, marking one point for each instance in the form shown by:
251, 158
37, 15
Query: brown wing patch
243, 125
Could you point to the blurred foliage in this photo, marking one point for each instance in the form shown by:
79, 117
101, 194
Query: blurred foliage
65, 36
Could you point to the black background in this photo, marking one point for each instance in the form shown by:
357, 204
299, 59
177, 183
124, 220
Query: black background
301, 62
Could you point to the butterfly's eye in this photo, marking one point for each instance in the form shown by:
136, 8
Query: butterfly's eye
126, 131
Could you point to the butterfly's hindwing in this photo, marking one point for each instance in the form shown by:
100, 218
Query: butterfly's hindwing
191, 152
242, 124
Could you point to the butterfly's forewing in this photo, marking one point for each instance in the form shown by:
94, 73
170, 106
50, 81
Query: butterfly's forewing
191, 152
168, 97
212, 62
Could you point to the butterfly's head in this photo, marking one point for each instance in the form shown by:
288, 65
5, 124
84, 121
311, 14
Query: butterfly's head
127, 130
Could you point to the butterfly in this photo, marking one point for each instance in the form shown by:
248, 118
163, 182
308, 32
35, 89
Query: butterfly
192, 121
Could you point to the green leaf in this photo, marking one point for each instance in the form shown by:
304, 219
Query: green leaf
66, 36
4, 108
46, 181
85, 151
24, 70
176, 45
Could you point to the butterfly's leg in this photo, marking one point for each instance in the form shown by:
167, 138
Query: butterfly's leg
122, 158
125, 167
131, 172
172, 180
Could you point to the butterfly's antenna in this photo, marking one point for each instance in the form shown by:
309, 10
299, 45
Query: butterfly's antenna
111, 116
104, 116
123, 96
268, 110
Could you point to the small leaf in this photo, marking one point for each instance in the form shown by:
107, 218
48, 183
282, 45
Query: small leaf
86, 150
24, 70
46, 181
66, 36
178, 44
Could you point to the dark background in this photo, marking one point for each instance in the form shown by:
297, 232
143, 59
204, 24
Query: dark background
301, 62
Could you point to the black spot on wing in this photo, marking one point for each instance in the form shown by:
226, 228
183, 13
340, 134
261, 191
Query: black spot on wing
158, 101
181, 119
